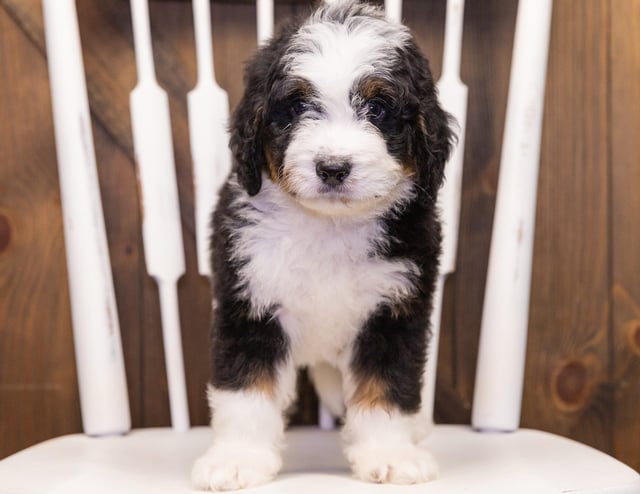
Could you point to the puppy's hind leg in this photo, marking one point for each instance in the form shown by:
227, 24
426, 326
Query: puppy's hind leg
253, 382
328, 383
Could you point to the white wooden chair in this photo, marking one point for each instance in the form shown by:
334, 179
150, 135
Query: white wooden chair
493, 456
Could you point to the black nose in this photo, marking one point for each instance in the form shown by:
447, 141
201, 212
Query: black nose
333, 172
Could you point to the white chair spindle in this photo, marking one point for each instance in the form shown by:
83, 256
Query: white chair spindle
161, 226
104, 400
501, 355
208, 106
265, 20
453, 97
393, 10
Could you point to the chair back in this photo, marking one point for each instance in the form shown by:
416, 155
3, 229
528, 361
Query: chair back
104, 403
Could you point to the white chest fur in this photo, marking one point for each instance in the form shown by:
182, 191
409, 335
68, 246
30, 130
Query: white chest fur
318, 275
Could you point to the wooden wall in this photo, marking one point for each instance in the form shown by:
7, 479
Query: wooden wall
583, 367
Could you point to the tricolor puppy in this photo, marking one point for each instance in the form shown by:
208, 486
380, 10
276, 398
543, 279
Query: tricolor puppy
326, 246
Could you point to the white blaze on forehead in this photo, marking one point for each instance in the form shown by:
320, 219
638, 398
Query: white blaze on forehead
332, 55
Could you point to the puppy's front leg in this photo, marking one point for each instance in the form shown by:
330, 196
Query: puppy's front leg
383, 421
253, 382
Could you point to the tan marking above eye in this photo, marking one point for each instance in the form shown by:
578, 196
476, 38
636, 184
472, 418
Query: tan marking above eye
372, 87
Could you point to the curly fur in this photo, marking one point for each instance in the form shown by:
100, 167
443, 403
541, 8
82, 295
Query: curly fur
328, 274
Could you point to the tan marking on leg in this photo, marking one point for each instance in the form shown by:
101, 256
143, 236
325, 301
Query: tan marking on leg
266, 385
371, 393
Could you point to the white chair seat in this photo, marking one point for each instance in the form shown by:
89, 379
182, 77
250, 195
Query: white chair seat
157, 461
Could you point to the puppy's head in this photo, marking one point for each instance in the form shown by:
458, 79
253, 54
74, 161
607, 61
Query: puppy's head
341, 112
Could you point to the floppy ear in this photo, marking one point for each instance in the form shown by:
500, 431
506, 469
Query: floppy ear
247, 129
431, 136
434, 142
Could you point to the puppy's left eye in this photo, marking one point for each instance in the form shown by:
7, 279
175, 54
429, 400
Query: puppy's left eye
376, 109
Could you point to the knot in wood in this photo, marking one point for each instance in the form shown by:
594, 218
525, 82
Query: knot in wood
571, 385
633, 334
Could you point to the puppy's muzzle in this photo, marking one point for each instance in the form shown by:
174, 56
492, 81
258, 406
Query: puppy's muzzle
333, 172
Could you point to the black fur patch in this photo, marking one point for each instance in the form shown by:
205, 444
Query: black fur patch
246, 350
258, 122
392, 346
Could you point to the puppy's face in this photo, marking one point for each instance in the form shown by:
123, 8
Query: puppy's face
341, 113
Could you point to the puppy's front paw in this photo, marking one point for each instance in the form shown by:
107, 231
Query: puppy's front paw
228, 467
393, 464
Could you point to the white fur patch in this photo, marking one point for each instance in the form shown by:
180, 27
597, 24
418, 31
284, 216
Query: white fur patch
318, 273
381, 446
333, 55
230, 466
327, 380
248, 434
376, 180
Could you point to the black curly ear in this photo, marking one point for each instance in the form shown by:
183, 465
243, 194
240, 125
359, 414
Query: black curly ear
249, 120
246, 137
430, 136
434, 144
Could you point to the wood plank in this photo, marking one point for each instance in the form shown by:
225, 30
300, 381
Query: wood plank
118, 188
624, 124
487, 46
105, 30
115, 167
567, 376
38, 387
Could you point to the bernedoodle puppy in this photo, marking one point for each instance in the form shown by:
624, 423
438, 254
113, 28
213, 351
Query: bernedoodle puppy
325, 247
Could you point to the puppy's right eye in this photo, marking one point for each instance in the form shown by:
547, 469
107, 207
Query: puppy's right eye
284, 113
299, 107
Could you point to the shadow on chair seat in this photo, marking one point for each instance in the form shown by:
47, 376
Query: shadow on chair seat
159, 461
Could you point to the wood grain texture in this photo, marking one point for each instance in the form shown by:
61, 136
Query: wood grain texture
486, 58
583, 368
38, 390
567, 387
624, 97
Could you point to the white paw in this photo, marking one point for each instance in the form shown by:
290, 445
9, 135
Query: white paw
227, 467
393, 464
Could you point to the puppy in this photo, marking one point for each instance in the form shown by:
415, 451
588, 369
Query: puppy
326, 247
